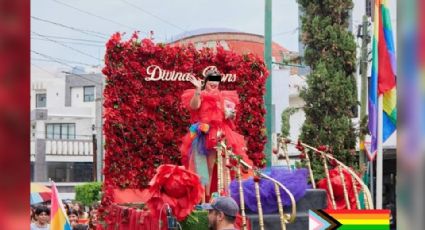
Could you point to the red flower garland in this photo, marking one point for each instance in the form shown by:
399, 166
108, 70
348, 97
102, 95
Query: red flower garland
144, 121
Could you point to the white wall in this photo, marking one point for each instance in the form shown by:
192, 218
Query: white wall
77, 99
54, 87
280, 94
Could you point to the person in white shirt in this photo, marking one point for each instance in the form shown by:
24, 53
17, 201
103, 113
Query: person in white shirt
42, 214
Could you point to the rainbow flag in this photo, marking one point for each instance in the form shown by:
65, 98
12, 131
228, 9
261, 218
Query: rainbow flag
58, 218
421, 40
361, 219
383, 78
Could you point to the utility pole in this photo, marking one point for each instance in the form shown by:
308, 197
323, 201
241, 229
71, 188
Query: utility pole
40, 164
364, 86
94, 155
268, 61
99, 130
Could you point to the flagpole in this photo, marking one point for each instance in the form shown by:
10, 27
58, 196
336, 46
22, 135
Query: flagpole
371, 180
379, 157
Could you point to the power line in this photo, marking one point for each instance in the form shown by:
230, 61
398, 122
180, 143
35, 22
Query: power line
66, 61
43, 69
153, 15
93, 15
69, 47
88, 32
286, 32
63, 63
74, 39
68, 42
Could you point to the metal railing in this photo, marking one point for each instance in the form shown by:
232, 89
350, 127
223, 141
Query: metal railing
224, 156
326, 157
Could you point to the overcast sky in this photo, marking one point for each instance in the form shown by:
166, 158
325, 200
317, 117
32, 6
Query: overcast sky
98, 19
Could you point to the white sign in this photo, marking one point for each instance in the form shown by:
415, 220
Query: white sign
156, 73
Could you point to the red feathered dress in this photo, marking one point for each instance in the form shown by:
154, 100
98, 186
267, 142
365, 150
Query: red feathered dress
212, 112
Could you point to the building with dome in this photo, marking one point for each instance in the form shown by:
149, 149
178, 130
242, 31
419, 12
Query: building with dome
237, 41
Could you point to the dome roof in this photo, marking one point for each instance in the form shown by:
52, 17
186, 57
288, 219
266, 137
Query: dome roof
237, 41
201, 31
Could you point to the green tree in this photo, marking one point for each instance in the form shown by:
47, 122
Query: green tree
88, 193
285, 117
331, 93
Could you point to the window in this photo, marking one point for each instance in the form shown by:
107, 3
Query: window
40, 100
88, 93
60, 131
369, 8
70, 171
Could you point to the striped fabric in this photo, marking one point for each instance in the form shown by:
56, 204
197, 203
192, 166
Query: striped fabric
383, 78
361, 219
59, 219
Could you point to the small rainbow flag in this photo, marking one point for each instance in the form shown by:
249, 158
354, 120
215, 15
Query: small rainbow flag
361, 219
59, 219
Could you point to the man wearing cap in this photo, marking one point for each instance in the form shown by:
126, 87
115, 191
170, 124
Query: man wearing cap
222, 214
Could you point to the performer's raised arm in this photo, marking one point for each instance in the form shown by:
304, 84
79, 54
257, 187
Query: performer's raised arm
195, 102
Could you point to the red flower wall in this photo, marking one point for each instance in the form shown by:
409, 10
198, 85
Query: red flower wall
144, 121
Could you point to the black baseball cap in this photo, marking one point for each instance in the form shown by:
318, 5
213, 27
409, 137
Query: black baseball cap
224, 204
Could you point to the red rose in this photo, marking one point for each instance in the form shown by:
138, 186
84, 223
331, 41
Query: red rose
178, 187
333, 163
233, 161
299, 146
322, 148
256, 179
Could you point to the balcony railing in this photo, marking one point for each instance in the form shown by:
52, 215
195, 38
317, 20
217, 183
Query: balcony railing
69, 147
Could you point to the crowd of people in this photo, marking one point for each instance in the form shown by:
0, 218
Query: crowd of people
79, 217
222, 214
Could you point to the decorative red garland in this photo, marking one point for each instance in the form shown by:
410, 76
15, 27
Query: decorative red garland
144, 121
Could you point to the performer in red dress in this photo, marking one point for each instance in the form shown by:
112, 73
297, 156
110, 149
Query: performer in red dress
211, 111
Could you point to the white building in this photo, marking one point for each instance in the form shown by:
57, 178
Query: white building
64, 109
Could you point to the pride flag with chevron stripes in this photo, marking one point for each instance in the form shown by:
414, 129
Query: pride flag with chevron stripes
383, 78
361, 219
349, 219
